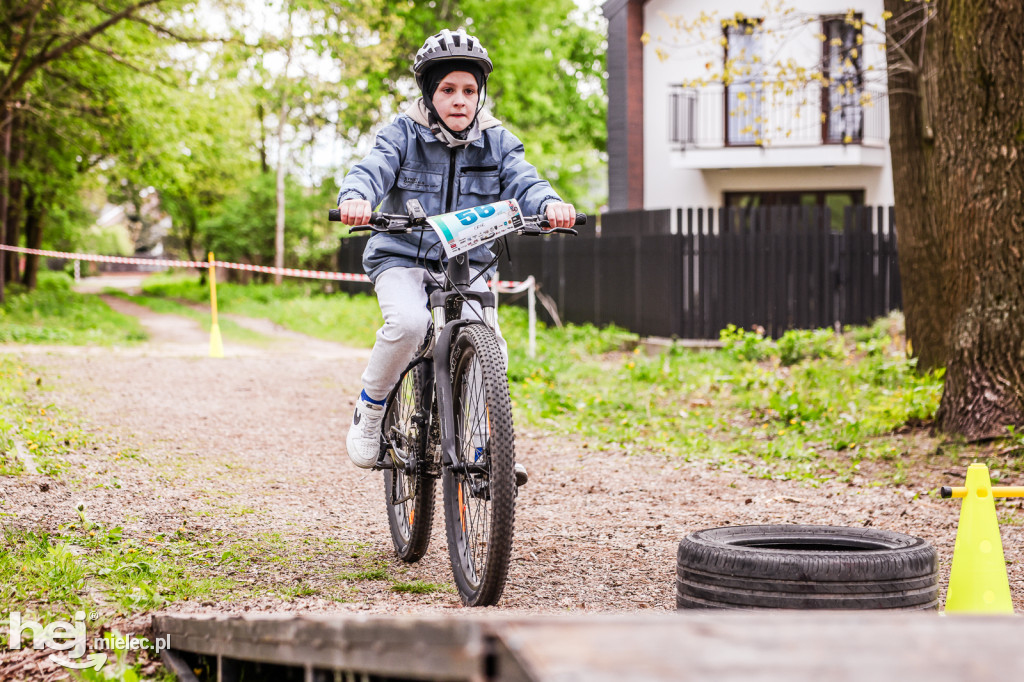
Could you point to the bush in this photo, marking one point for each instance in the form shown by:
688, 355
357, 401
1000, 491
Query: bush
744, 345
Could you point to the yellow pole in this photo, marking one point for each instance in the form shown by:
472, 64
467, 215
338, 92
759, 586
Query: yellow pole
997, 491
216, 346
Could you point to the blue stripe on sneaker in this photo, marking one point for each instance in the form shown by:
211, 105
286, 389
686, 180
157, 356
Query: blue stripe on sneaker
368, 399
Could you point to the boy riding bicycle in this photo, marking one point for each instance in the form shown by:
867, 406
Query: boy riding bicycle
450, 154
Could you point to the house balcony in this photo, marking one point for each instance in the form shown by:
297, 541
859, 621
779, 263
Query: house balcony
744, 126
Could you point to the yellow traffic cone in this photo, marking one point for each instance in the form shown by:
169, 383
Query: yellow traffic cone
977, 581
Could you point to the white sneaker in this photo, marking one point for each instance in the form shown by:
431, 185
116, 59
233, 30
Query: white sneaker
363, 441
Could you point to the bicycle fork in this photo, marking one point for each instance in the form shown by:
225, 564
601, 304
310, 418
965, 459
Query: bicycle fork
445, 331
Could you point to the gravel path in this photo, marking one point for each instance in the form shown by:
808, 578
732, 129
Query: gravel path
252, 445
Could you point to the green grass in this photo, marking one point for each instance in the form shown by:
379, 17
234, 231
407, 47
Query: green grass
379, 572
420, 587
297, 305
230, 331
30, 422
53, 314
811, 405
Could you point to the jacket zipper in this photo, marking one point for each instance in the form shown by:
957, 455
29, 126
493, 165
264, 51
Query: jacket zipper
451, 182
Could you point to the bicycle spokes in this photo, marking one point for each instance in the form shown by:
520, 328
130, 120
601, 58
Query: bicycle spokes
408, 488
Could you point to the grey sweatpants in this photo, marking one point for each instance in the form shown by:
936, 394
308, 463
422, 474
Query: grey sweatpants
402, 295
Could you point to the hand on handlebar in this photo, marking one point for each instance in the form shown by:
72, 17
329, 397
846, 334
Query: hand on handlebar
355, 211
560, 214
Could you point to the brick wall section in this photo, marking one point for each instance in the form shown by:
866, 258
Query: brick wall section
625, 104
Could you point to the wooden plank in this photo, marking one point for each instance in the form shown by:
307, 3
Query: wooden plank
750, 647
795, 646
420, 648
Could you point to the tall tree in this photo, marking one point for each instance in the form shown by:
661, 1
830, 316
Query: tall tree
38, 37
958, 145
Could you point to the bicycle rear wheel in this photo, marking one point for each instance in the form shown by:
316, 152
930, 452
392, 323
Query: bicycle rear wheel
408, 487
479, 494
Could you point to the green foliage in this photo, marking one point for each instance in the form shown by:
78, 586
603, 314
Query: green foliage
139, 113
85, 561
836, 402
53, 313
794, 345
744, 345
243, 229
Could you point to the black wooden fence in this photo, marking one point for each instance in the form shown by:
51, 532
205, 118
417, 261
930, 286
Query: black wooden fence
690, 272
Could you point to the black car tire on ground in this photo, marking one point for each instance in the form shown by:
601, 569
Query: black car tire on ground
805, 567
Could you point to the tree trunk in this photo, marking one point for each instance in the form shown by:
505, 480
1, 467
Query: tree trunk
6, 114
35, 213
260, 114
281, 170
981, 140
960, 212
280, 195
921, 252
14, 200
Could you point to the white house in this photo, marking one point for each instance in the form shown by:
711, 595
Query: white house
735, 103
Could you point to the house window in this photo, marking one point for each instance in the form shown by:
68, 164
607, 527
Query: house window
843, 120
837, 200
744, 79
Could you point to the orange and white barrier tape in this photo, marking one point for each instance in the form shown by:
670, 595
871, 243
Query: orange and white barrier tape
105, 259
287, 272
504, 286
499, 286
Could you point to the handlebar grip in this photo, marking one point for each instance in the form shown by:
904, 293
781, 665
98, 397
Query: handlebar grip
945, 492
334, 216
581, 218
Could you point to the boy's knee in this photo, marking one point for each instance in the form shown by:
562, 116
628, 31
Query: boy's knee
407, 328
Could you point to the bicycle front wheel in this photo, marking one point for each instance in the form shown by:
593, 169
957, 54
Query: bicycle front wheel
480, 491
408, 486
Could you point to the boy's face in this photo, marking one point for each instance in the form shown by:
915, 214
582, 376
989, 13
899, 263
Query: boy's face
455, 100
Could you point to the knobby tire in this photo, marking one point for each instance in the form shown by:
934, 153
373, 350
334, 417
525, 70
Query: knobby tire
480, 506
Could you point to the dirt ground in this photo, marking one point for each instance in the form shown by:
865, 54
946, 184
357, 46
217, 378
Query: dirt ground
253, 444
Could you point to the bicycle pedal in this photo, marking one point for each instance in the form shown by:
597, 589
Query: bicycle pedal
521, 476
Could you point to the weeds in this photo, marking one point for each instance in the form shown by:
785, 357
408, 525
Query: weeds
31, 424
811, 405
54, 314
420, 587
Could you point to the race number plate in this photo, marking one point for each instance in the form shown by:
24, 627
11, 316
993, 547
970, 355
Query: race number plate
460, 231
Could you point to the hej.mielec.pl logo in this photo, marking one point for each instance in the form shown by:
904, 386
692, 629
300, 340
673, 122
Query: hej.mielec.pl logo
70, 637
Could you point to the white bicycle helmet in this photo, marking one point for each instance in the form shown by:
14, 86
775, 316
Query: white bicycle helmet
447, 45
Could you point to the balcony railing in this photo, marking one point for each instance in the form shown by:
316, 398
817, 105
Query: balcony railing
745, 116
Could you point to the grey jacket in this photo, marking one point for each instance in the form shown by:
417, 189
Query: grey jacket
409, 162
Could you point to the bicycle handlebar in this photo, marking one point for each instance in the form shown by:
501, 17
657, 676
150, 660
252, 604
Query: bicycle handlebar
397, 223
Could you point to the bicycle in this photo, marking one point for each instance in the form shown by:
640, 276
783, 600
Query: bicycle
450, 418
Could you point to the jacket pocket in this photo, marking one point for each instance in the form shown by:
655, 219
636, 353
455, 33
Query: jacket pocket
419, 181
484, 185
